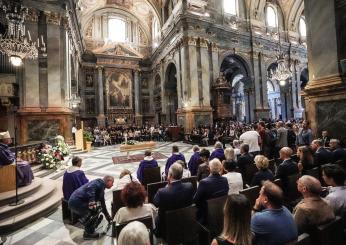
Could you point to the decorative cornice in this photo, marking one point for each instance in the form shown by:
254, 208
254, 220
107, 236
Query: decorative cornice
53, 18
32, 15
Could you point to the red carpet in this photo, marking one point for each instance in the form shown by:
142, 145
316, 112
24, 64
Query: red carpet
136, 158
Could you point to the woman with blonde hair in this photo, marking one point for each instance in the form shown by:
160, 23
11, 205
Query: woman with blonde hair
262, 163
237, 217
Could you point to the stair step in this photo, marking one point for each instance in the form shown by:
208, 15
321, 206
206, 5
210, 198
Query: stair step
21, 219
40, 195
36, 168
44, 172
9, 196
78, 152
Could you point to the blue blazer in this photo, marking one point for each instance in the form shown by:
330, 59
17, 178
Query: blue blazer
211, 187
143, 165
322, 156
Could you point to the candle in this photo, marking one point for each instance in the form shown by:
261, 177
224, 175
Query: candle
38, 42
29, 36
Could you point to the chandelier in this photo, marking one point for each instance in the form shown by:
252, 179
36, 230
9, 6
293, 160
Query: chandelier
74, 100
282, 72
14, 43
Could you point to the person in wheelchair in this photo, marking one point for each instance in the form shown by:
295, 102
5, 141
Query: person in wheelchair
88, 202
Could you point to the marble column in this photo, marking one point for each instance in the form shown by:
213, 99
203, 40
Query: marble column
101, 115
205, 64
194, 94
325, 94
31, 72
138, 116
215, 62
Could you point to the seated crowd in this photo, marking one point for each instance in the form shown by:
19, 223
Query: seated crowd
274, 217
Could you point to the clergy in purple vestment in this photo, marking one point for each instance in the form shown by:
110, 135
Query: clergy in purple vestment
195, 161
74, 178
7, 157
176, 155
218, 152
147, 162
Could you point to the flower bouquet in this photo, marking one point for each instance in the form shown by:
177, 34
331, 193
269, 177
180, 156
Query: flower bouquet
48, 160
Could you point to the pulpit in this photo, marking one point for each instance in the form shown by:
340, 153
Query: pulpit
7, 178
174, 133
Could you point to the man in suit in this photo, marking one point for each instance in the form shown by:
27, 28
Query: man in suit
174, 196
325, 139
218, 152
287, 167
338, 153
195, 161
321, 155
147, 162
244, 161
281, 140
211, 187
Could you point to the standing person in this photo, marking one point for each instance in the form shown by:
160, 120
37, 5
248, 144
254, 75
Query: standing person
306, 160
84, 202
281, 140
325, 138
195, 161
287, 167
338, 153
74, 178
74, 131
291, 137
147, 162
176, 155
320, 154
237, 216
253, 139
304, 135
234, 179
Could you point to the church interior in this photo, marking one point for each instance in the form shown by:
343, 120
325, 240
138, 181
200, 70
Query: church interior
108, 87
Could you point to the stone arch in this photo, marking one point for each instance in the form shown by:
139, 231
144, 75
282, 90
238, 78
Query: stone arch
296, 11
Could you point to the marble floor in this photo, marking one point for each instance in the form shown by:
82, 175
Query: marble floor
97, 163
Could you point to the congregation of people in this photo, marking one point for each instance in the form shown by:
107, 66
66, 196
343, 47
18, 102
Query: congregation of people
256, 157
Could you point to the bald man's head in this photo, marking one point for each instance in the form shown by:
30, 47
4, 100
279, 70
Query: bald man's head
309, 185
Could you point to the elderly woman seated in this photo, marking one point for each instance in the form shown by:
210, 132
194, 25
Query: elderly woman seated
263, 174
133, 196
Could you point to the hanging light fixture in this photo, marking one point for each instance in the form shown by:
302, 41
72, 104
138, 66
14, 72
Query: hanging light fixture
282, 72
15, 44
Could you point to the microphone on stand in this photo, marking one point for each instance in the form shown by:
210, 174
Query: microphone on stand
17, 201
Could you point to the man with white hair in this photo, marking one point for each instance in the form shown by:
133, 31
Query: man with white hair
211, 187
174, 196
312, 210
7, 157
134, 233
218, 152
85, 202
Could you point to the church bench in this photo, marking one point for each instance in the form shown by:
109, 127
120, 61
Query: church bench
251, 193
7, 178
151, 175
117, 203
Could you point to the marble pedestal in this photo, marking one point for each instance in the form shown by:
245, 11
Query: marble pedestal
325, 101
37, 124
194, 116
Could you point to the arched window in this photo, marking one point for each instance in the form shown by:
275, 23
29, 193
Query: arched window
116, 30
271, 16
230, 7
156, 29
302, 27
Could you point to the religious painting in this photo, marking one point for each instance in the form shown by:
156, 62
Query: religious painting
89, 81
119, 88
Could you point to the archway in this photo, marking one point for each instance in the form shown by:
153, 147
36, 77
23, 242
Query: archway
274, 100
171, 94
237, 74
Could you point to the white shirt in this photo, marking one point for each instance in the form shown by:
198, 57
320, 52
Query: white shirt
74, 130
235, 182
125, 214
251, 138
186, 173
124, 181
337, 199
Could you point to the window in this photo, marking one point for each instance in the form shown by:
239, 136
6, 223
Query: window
271, 15
302, 27
230, 7
156, 29
116, 30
